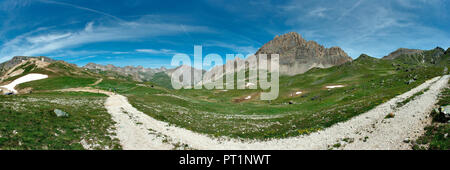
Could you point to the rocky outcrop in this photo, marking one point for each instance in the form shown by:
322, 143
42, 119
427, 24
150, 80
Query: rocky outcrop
19, 59
402, 51
298, 55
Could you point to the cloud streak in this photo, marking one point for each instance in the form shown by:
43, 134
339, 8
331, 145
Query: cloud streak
81, 8
44, 43
160, 51
372, 27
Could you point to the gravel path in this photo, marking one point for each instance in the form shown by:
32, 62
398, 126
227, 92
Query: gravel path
97, 82
370, 130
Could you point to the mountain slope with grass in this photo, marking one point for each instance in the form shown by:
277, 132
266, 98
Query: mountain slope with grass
313, 101
367, 82
60, 74
435, 56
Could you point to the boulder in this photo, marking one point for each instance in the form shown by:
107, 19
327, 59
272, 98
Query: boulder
406, 140
410, 81
60, 113
445, 112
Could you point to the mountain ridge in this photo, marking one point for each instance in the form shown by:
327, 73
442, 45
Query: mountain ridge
298, 55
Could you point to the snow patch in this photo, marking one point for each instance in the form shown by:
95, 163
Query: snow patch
335, 86
24, 79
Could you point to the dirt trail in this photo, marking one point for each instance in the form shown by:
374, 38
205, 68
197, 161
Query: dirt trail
97, 82
131, 127
370, 130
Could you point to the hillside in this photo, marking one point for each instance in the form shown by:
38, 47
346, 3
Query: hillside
60, 74
313, 101
435, 56
304, 103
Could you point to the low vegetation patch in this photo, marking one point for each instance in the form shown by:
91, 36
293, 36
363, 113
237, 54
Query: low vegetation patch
29, 122
55, 83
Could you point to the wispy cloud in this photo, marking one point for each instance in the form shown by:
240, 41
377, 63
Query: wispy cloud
120, 52
154, 51
80, 7
372, 27
38, 43
318, 12
347, 11
242, 49
10, 5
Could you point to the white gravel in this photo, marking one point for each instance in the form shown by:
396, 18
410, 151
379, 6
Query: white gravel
133, 126
367, 131
24, 79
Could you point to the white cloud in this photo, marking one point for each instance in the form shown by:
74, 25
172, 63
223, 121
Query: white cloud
372, 27
318, 12
242, 49
47, 38
37, 43
346, 12
153, 51
9, 5
80, 7
121, 52
89, 27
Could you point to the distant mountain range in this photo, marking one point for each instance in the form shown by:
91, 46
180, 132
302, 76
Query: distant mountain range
138, 73
297, 56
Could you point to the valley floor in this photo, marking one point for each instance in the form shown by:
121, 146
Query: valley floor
387, 126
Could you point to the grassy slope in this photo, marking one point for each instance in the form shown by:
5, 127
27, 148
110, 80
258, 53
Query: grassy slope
369, 82
62, 75
162, 79
28, 121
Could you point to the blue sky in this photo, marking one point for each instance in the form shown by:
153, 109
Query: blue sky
150, 32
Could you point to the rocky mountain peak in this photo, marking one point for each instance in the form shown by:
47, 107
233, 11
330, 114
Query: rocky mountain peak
298, 55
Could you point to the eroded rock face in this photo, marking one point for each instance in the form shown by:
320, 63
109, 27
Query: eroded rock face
19, 59
298, 55
400, 52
